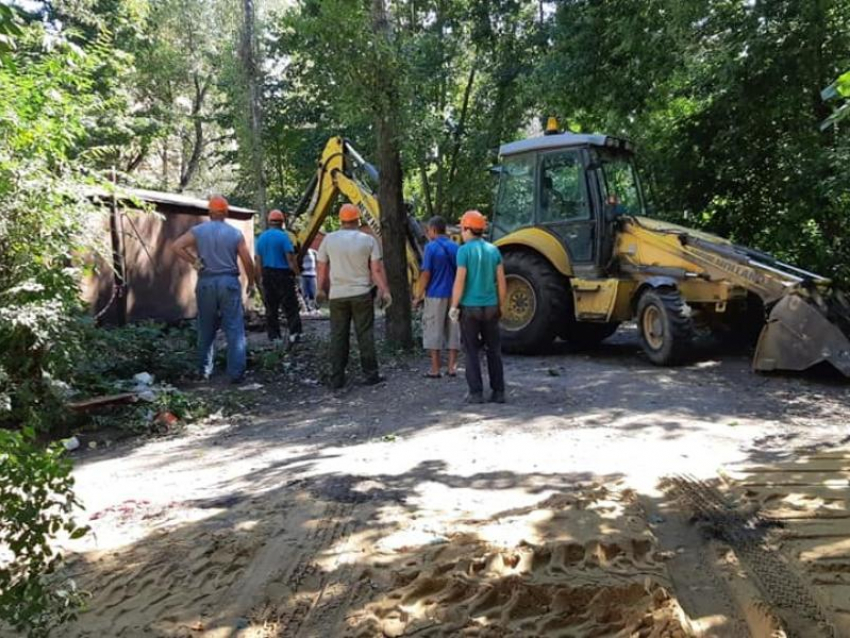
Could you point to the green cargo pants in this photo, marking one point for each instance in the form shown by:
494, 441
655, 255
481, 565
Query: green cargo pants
362, 311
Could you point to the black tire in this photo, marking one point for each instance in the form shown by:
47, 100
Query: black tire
665, 326
584, 334
538, 297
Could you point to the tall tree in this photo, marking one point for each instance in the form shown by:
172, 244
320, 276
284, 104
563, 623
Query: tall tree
387, 111
249, 54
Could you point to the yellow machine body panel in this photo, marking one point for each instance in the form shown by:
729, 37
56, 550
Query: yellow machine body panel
596, 299
332, 180
544, 243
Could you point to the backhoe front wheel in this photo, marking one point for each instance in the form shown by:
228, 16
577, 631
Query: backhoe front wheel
536, 300
665, 326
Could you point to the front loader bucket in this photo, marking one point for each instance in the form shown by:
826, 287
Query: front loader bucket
798, 335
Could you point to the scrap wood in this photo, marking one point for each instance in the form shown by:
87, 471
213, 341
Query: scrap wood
99, 402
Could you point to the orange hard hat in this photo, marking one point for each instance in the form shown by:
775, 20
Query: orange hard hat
218, 204
277, 216
474, 220
349, 213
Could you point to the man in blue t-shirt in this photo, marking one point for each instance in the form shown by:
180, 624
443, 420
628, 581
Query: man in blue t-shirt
277, 270
436, 279
478, 294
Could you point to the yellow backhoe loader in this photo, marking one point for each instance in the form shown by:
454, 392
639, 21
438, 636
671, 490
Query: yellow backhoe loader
581, 256
342, 172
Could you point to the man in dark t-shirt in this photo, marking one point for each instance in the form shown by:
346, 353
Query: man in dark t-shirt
277, 270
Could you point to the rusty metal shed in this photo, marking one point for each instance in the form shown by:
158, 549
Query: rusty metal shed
156, 284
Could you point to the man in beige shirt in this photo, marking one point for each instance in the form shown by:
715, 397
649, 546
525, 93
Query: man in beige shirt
349, 265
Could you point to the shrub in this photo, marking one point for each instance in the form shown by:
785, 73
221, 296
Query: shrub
36, 492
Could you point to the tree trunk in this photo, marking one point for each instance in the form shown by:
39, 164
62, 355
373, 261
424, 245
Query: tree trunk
458, 137
426, 188
194, 162
255, 119
390, 199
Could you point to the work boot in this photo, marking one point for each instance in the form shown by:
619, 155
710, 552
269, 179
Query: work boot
497, 396
474, 398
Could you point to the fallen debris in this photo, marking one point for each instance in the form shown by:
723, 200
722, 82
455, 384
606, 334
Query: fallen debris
103, 401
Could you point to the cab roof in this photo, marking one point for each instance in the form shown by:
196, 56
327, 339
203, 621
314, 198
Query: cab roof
562, 140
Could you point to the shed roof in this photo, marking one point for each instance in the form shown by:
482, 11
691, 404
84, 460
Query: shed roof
169, 202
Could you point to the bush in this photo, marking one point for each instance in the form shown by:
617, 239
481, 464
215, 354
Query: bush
37, 504
111, 354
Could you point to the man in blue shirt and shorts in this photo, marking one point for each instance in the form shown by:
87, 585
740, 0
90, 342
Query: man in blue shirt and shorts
277, 270
439, 265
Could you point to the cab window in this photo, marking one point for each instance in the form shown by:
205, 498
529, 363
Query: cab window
563, 195
515, 202
620, 185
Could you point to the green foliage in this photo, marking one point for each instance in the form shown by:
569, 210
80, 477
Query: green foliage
36, 490
46, 219
723, 101
110, 354
460, 67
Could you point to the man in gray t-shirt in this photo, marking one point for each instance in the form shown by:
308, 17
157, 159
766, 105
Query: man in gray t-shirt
349, 264
214, 249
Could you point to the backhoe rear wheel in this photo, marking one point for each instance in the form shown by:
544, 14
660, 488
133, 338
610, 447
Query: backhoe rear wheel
665, 326
537, 299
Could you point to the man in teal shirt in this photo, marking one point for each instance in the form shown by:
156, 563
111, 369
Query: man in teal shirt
477, 296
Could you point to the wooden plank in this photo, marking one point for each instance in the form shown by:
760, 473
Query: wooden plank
104, 401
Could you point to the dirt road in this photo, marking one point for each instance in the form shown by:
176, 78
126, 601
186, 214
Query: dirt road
397, 510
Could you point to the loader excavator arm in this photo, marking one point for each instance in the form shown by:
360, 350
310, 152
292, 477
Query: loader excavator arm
808, 320
342, 172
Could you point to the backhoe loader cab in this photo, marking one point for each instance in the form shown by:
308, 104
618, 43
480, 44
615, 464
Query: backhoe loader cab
572, 187
581, 257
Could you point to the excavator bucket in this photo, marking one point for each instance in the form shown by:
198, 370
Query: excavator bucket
801, 332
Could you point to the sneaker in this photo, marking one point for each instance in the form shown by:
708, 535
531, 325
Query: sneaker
374, 380
474, 398
497, 396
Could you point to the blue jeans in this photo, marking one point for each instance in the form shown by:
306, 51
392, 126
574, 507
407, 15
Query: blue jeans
220, 306
308, 287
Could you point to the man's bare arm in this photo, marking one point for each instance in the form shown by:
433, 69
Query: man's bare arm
247, 264
422, 284
376, 266
182, 246
501, 284
293, 263
459, 285
258, 269
322, 281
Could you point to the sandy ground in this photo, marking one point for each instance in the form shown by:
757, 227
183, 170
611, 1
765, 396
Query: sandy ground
397, 510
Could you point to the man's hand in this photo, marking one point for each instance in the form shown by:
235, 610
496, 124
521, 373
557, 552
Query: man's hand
321, 297
454, 314
418, 301
386, 300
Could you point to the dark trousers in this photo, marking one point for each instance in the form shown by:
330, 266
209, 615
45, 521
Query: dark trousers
479, 328
279, 289
361, 311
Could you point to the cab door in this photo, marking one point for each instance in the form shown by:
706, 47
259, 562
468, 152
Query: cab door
563, 204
